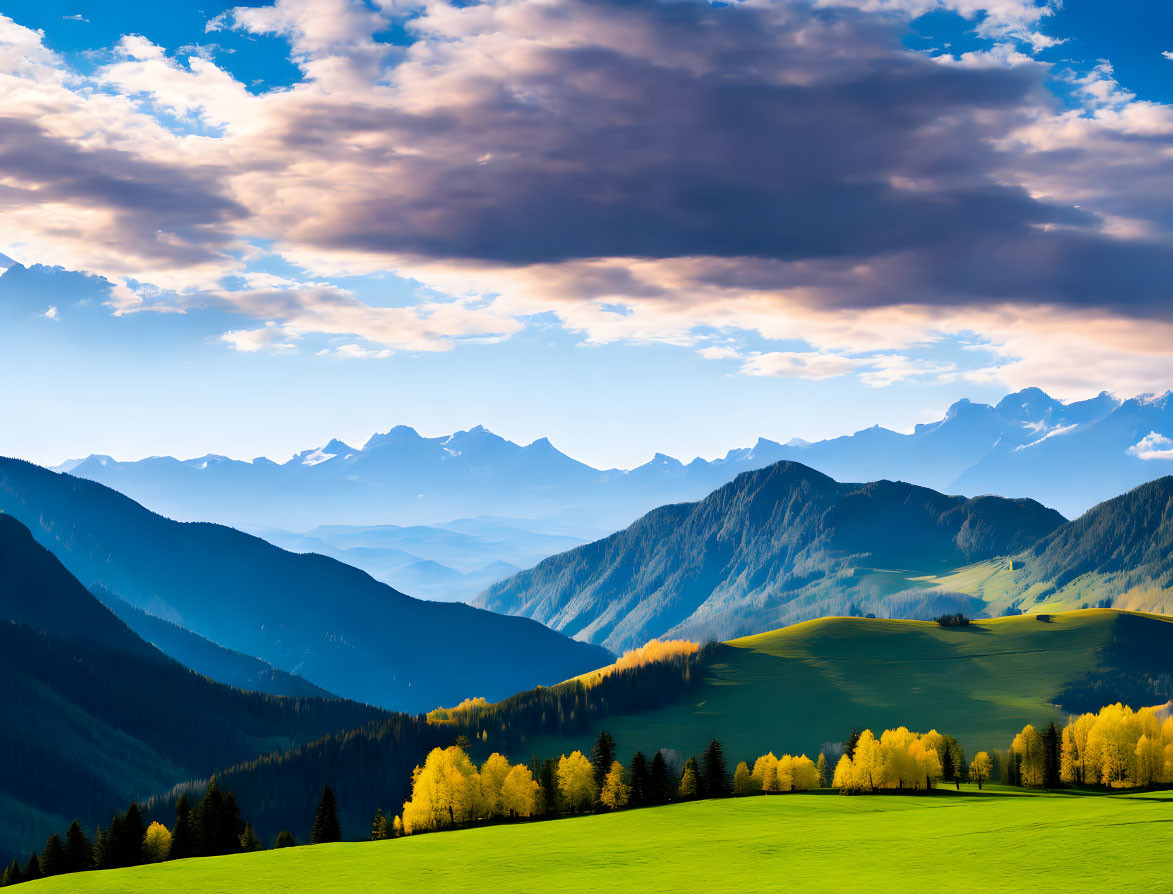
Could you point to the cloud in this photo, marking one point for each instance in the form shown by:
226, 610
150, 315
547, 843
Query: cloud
1168, 54
644, 171
1152, 446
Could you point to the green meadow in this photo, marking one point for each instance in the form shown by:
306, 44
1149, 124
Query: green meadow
799, 687
948, 841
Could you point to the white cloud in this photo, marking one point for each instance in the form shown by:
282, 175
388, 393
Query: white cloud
800, 365
1168, 54
1152, 446
51, 313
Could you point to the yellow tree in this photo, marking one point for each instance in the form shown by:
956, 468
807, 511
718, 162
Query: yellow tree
785, 780
1028, 745
615, 790
445, 790
898, 768
742, 781
493, 773
157, 843
519, 792
1150, 761
867, 763
688, 783
804, 774
765, 773
576, 781
979, 768
844, 778
1069, 763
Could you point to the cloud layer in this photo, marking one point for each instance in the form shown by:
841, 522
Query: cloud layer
646, 171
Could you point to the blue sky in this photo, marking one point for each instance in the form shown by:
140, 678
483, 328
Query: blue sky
628, 227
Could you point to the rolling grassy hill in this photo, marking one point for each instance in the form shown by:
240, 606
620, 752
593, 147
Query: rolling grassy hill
994, 841
799, 687
774, 546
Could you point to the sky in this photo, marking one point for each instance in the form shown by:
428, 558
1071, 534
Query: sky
626, 225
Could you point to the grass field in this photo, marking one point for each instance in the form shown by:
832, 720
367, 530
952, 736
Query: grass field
797, 688
998, 841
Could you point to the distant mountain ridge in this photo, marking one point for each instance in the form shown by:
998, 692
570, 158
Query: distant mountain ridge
774, 546
1027, 445
305, 614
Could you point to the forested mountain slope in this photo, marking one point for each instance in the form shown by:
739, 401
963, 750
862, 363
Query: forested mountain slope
777, 545
94, 716
1119, 553
305, 614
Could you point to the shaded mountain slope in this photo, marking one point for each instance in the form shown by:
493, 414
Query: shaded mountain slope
780, 544
94, 716
205, 657
305, 614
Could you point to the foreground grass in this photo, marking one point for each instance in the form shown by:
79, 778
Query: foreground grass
995, 841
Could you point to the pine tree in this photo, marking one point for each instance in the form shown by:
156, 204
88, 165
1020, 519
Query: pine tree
133, 831
183, 835
641, 782
205, 822
79, 855
99, 850
716, 776
947, 768
231, 826
285, 839
821, 769
11, 876
602, 756
249, 841
661, 780
326, 827
852, 741
32, 869
379, 828
548, 783
53, 856
1051, 756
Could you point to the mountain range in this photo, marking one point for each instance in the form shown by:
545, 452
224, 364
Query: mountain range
309, 615
772, 547
1027, 445
96, 717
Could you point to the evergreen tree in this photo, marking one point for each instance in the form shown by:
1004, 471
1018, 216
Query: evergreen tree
1051, 747
326, 828
602, 756
821, 769
98, 858
32, 869
249, 841
852, 741
79, 855
379, 827
53, 857
947, 768
548, 783
11, 875
133, 830
285, 839
716, 776
662, 783
231, 826
205, 822
183, 835
641, 782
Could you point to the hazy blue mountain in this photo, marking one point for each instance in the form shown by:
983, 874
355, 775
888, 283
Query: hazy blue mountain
774, 546
1027, 445
95, 717
447, 563
304, 614
205, 657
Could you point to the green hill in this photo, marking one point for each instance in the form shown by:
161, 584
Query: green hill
797, 688
774, 546
815, 842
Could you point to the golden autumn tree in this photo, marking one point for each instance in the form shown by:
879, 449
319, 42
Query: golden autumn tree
979, 768
157, 843
493, 773
742, 781
615, 791
446, 790
765, 773
688, 783
576, 781
844, 778
519, 792
1028, 747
